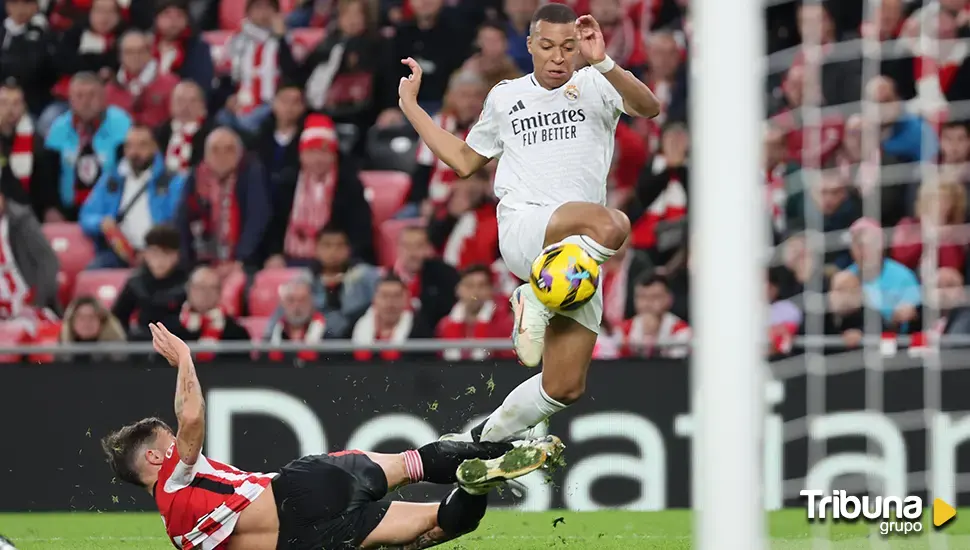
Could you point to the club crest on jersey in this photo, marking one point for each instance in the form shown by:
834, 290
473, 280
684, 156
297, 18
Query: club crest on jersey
571, 92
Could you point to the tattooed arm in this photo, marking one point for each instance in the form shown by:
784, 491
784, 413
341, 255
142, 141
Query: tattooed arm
189, 403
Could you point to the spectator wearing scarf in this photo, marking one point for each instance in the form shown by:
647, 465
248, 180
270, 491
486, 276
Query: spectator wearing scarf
82, 145
389, 320
300, 321
222, 192
182, 138
327, 190
19, 147
258, 54
475, 316
139, 88
28, 266
90, 46
178, 50
202, 318
129, 201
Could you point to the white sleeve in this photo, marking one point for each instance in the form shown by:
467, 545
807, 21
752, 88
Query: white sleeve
611, 97
485, 137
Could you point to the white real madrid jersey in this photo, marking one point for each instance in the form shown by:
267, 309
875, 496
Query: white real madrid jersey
553, 146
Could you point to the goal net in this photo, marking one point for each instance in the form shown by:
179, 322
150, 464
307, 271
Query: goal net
866, 162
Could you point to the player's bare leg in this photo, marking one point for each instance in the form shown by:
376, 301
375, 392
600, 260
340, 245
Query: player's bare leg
598, 230
564, 346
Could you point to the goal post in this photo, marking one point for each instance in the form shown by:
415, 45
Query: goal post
728, 248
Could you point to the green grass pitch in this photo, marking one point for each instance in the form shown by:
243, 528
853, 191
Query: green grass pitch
502, 530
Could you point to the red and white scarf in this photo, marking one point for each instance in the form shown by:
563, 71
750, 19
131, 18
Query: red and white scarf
95, 43
254, 64
366, 333
442, 175
136, 84
178, 152
459, 318
312, 333
615, 279
15, 293
777, 196
312, 208
652, 129
22, 151
169, 55
223, 219
674, 334
209, 325
934, 76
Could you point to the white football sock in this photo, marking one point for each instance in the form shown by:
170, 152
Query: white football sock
596, 251
526, 406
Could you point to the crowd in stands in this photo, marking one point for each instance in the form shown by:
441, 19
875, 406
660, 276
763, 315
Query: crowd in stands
239, 169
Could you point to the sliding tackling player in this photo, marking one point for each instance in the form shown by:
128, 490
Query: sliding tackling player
330, 502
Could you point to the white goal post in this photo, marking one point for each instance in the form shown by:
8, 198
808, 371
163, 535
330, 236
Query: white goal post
727, 247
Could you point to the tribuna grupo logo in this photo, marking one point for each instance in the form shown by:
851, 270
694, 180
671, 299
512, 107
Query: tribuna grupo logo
899, 515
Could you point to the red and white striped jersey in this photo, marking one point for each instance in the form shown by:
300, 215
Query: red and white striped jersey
200, 504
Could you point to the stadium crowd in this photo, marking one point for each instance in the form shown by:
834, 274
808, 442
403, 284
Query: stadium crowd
239, 169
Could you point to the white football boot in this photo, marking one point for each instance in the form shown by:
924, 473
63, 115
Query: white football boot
531, 319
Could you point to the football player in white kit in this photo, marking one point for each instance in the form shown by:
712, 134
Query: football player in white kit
552, 132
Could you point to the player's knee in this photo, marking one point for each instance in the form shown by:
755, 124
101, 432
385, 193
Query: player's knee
615, 230
461, 512
565, 391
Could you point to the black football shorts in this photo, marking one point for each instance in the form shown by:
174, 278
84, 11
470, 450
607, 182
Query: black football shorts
329, 502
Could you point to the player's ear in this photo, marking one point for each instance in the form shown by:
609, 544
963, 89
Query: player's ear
528, 43
154, 457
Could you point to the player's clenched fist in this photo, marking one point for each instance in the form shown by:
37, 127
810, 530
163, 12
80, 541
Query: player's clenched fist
410, 85
591, 42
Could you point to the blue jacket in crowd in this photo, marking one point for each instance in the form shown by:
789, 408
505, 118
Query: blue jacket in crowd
164, 194
63, 140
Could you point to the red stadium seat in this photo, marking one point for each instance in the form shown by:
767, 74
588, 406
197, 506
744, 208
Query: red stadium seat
11, 334
232, 292
387, 242
74, 252
256, 326
304, 40
231, 14
386, 192
264, 295
103, 284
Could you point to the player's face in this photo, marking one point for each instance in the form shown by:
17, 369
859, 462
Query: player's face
553, 47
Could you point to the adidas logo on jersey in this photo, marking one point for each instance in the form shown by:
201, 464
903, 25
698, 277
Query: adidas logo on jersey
517, 107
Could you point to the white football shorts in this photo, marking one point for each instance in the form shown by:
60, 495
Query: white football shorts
521, 233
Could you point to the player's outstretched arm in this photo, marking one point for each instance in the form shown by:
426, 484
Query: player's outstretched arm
638, 99
446, 146
189, 403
